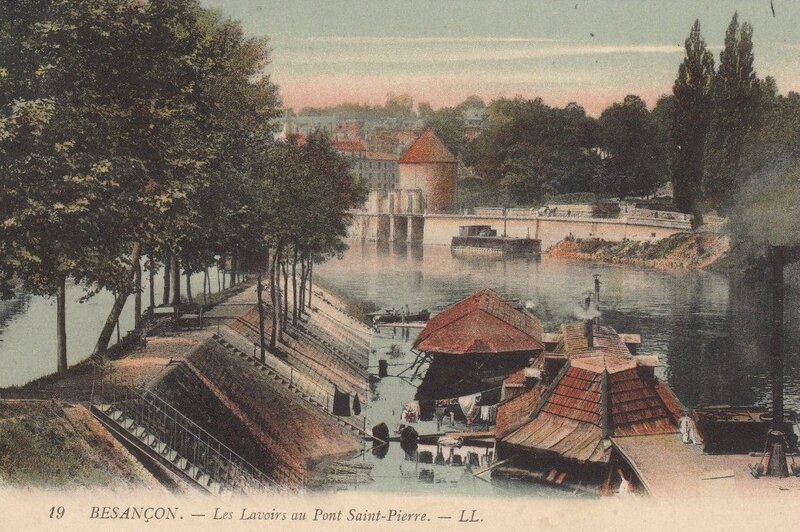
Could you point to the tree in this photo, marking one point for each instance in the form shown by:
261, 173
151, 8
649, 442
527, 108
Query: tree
66, 188
634, 160
399, 106
471, 102
777, 137
736, 111
533, 150
691, 116
101, 163
448, 124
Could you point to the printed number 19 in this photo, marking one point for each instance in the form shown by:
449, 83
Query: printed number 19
56, 512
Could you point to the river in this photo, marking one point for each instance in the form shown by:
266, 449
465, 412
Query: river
28, 327
710, 335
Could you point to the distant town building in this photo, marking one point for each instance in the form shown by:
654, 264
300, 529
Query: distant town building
306, 124
391, 140
377, 170
428, 165
349, 130
473, 121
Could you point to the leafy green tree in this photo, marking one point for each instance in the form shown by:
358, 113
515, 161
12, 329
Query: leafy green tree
399, 106
101, 163
533, 150
777, 137
691, 116
736, 112
634, 159
471, 102
66, 189
448, 124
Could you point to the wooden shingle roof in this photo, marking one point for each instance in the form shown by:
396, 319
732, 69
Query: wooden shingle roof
606, 341
481, 324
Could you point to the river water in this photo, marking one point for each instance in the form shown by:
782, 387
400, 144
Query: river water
28, 327
710, 335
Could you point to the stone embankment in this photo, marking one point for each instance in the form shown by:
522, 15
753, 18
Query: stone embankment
688, 251
276, 414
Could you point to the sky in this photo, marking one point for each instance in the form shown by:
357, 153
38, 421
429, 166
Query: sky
590, 52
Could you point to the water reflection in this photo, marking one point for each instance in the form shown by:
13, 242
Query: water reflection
708, 333
28, 328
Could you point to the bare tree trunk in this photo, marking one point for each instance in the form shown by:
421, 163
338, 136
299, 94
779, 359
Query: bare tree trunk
278, 297
137, 296
206, 284
219, 281
285, 317
119, 304
261, 317
310, 280
176, 280
189, 287
273, 336
234, 270
61, 324
152, 267
167, 278
301, 296
294, 289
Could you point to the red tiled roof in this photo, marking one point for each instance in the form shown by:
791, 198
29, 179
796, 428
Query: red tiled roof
671, 401
570, 415
427, 149
636, 405
349, 145
481, 324
381, 156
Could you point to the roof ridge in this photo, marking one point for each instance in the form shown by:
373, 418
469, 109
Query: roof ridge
427, 148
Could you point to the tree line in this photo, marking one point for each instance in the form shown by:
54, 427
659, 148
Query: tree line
720, 125
137, 137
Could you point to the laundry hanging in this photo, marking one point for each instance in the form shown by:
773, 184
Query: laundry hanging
468, 402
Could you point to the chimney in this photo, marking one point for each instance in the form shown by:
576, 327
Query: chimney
589, 328
597, 292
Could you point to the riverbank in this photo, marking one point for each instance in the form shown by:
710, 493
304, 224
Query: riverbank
275, 415
681, 251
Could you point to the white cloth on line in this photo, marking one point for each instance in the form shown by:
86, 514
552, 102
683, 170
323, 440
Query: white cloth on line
689, 431
467, 403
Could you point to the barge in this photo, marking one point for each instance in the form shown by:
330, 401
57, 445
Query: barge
482, 240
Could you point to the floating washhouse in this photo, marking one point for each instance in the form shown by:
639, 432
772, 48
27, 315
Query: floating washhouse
473, 345
559, 420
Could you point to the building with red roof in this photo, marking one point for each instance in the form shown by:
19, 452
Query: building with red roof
474, 344
376, 170
428, 165
599, 391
